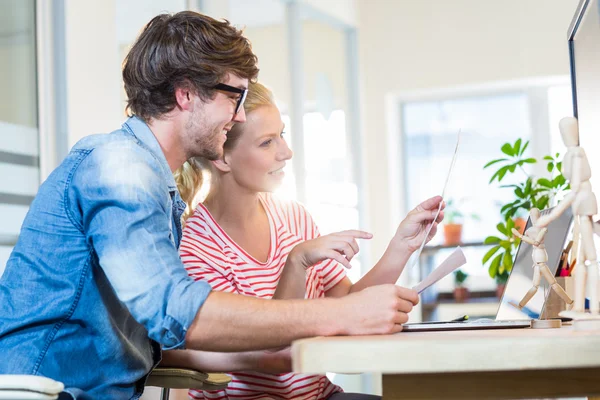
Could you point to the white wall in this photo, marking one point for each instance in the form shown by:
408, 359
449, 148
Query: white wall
93, 69
408, 45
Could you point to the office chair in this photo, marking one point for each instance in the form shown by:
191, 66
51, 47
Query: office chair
183, 378
29, 387
32, 387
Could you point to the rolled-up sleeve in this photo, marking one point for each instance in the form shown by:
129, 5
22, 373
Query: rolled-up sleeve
126, 216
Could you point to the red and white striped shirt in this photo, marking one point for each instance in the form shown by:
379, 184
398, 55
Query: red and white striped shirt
208, 253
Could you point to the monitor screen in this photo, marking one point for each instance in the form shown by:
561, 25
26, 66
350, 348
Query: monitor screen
584, 52
521, 276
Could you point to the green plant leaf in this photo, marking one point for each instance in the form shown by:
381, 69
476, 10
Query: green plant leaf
507, 260
524, 148
490, 253
491, 240
507, 149
502, 229
559, 180
510, 223
549, 158
550, 167
493, 269
519, 192
543, 202
503, 171
494, 162
544, 182
517, 147
529, 161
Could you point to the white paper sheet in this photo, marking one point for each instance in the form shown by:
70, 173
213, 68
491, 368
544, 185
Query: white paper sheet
455, 260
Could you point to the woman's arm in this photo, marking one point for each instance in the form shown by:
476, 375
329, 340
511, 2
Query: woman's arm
408, 238
273, 362
340, 246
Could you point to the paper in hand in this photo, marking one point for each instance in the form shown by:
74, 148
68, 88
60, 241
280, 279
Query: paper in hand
428, 231
455, 260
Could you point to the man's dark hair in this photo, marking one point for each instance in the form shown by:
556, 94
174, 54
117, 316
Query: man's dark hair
186, 49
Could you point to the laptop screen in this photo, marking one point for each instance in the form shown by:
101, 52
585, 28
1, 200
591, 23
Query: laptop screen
521, 276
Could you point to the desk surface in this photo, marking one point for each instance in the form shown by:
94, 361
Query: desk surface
451, 351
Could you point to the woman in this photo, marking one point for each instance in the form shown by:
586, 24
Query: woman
245, 240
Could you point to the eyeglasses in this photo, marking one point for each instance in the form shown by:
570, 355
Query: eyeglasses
242, 92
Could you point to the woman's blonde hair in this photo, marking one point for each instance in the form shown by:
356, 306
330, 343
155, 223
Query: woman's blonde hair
189, 177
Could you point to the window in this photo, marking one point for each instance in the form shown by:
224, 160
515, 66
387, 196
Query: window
19, 134
486, 121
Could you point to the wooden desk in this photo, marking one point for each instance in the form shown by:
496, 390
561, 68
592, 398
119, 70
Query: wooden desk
485, 364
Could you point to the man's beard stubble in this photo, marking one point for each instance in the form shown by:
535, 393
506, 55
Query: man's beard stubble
203, 140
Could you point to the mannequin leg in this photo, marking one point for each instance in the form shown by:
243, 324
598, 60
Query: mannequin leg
591, 262
536, 284
554, 285
580, 276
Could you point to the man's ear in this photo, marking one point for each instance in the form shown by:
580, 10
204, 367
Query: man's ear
221, 164
184, 98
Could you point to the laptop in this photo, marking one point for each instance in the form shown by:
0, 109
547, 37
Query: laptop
519, 282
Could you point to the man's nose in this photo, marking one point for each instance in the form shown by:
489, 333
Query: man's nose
240, 116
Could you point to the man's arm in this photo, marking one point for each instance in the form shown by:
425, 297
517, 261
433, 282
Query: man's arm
123, 201
229, 322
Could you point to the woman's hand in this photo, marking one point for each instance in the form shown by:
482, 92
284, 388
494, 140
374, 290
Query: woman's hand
275, 361
339, 246
412, 229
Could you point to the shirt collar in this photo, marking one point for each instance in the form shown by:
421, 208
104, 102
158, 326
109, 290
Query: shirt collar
142, 132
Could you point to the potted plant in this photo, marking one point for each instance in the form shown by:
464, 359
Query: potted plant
461, 293
453, 223
530, 192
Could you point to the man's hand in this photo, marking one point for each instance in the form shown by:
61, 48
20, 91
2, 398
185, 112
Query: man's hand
412, 229
340, 246
377, 310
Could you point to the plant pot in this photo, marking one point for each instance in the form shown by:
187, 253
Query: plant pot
452, 234
500, 290
520, 224
461, 294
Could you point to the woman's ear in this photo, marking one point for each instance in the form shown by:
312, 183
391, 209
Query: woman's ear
221, 164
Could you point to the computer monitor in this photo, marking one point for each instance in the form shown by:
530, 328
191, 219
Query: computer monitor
521, 276
584, 54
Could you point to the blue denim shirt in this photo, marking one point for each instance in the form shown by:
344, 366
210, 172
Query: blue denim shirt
95, 286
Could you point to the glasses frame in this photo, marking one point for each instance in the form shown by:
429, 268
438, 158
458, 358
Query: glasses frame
231, 89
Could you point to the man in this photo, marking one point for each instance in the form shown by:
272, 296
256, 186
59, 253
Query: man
95, 287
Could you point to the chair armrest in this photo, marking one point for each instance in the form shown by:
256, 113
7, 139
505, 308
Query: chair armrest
29, 387
183, 378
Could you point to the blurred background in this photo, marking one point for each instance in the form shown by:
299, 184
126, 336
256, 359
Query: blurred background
373, 93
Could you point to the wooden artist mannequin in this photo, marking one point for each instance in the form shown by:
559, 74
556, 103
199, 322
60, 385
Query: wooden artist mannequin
582, 200
535, 236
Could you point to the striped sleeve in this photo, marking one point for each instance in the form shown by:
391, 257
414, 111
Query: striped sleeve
199, 269
203, 260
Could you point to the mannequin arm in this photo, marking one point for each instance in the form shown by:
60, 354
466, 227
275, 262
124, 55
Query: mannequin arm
575, 180
540, 235
524, 238
517, 233
545, 220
